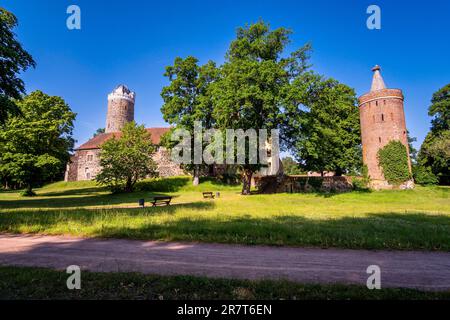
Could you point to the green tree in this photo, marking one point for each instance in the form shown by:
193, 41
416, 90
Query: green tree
187, 98
440, 109
322, 125
291, 167
35, 146
127, 159
14, 59
98, 131
248, 94
434, 153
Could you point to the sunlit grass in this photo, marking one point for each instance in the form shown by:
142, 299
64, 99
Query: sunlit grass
411, 219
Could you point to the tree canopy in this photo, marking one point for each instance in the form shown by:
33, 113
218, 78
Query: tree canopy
14, 59
253, 79
187, 98
434, 154
35, 146
262, 86
322, 125
127, 159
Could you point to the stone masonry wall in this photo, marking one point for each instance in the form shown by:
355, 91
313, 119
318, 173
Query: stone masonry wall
85, 165
294, 184
166, 168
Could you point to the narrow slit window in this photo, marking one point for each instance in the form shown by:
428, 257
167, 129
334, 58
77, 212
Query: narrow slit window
379, 139
382, 117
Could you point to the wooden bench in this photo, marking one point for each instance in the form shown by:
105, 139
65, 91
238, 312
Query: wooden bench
161, 200
208, 195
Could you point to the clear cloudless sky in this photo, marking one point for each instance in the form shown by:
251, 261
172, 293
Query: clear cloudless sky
131, 42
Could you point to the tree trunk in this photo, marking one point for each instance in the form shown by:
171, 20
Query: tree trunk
246, 181
129, 186
196, 180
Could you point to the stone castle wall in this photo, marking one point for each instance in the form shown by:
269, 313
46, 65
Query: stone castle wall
85, 165
302, 184
166, 167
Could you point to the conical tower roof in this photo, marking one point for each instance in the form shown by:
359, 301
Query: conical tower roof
377, 80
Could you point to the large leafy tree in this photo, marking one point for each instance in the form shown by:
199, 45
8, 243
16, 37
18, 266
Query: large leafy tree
14, 59
252, 81
35, 146
291, 167
127, 159
322, 127
187, 98
434, 154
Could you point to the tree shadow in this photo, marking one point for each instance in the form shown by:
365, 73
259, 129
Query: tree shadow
81, 199
376, 231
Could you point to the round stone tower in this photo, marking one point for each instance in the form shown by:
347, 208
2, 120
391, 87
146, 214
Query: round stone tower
382, 120
120, 108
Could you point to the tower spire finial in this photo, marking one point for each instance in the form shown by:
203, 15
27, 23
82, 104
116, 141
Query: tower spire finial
377, 80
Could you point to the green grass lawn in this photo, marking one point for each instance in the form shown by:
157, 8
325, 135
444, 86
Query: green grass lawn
410, 219
36, 283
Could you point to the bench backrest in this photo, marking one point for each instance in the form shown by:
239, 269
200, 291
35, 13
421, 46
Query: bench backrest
161, 198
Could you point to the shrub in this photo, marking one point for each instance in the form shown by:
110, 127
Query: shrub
28, 193
360, 184
424, 175
393, 159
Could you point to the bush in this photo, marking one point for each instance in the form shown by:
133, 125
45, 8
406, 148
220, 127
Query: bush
424, 175
360, 184
393, 159
28, 193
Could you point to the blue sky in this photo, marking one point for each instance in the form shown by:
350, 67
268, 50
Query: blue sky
132, 41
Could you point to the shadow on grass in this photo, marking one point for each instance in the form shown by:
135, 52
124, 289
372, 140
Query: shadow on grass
73, 192
375, 231
80, 198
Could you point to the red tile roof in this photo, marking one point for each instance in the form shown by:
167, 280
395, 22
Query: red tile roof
97, 141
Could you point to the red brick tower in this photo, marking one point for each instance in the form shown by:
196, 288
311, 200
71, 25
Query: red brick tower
120, 109
382, 120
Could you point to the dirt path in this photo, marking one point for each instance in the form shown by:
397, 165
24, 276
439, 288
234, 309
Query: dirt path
411, 269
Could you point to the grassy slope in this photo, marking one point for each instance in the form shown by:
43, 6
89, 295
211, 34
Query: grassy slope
35, 283
413, 219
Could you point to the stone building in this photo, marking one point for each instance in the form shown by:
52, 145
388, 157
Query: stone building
85, 163
382, 120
